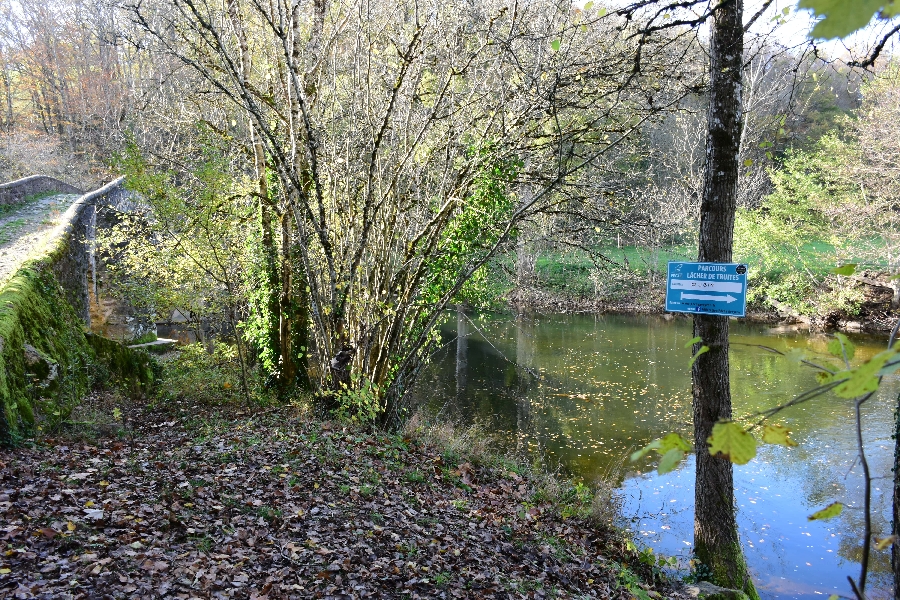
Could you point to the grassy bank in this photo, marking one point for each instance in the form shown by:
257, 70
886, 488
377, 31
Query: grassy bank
182, 497
793, 284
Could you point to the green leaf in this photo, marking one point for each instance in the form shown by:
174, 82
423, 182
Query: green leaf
864, 378
555, 44
848, 269
748, 162
840, 18
840, 345
669, 461
732, 441
601, 12
779, 435
654, 445
589, 6
829, 512
693, 341
702, 350
673, 441
663, 445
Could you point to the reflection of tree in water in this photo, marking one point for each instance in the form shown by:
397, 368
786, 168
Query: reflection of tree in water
595, 400
850, 548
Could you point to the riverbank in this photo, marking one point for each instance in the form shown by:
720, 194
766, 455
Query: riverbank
189, 500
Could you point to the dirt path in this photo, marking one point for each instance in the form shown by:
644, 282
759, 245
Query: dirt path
23, 231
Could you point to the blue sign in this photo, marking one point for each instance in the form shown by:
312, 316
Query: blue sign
707, 288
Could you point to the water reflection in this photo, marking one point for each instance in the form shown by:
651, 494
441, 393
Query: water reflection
608, 385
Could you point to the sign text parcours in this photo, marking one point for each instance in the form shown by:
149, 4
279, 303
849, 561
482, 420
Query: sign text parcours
707, 288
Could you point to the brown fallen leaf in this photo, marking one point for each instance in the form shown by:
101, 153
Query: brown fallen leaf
154, 565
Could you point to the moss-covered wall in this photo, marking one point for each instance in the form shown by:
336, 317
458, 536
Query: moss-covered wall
47, 360
33, 312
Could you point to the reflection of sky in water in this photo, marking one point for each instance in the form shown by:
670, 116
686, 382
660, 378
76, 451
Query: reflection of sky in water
609, 385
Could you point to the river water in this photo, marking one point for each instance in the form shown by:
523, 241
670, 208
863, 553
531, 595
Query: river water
583, 392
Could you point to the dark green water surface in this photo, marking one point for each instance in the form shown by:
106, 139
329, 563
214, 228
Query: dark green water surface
584, 392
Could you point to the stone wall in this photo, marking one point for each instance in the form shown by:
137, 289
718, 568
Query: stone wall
74, 257
16, 191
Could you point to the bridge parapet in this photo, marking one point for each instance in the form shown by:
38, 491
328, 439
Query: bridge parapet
16, 191
73, 256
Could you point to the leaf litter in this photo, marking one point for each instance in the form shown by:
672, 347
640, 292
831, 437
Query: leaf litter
270, 507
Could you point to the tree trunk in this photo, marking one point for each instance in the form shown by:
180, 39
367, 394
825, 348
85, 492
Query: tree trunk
716, 541
273, 293
294, 316
269, 249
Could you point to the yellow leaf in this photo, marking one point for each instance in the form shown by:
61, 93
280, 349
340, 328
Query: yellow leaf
104, 483
70, 526
885, 542
840, 345
733, 442
830, 511
864, 378
5, 571
673, 441
89, 504
848, 269
778, 434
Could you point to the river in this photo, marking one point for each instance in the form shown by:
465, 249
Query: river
583, 392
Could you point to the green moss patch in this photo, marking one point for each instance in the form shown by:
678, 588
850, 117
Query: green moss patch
47, 362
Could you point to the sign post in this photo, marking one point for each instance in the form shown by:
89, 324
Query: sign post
707, 288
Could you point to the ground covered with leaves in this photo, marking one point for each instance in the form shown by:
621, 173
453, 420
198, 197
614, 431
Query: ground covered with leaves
185, 503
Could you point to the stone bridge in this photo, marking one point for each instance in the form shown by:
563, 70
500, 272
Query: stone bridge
48, 357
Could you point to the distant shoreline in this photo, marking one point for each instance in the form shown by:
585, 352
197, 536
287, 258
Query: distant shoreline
540, 301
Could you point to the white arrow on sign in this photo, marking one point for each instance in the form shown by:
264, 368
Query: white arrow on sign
727, 298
